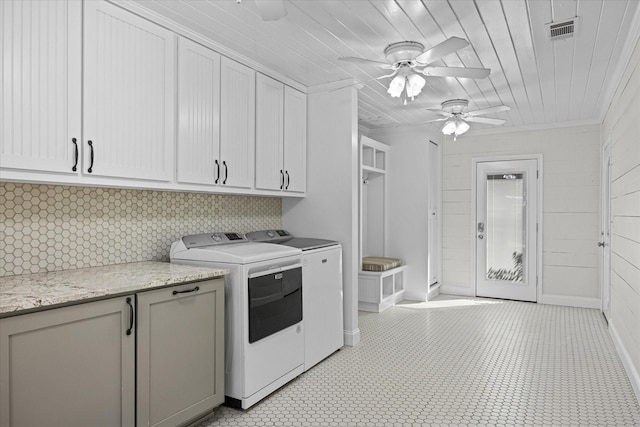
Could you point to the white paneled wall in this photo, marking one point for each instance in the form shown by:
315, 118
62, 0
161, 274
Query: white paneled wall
622, 130
571, 158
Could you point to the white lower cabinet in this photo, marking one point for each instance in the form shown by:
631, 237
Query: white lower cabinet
180, 371
80, 365
71, 366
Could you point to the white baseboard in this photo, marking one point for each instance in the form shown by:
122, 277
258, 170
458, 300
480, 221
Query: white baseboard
352, 338
415, 296
463, 291
569, 301
632, 372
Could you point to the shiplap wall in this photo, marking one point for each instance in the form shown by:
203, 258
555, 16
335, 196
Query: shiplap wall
571, 192
622, 130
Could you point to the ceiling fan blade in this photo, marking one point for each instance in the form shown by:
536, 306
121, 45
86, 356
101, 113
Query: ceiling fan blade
445, 48
271, 10
437, 120
366, 81
469, 73
485, 120
441, 112
365, 61
496, 109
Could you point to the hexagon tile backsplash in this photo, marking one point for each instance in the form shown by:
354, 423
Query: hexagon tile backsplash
48, 228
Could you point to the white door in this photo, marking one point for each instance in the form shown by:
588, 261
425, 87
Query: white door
237, 123
505, 229
198, 114
129, 106
270, 174
605, 239
434, 215
295, 140
40, 103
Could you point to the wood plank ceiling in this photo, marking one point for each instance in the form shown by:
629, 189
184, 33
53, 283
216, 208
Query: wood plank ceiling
546, 83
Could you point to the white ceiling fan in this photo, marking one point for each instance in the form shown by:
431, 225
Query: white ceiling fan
456, 117
409, 59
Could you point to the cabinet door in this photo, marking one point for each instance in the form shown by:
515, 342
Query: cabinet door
270, 174
71, 366
237, 123
180, 371
129, 95
40, 42
295, 140
198, 114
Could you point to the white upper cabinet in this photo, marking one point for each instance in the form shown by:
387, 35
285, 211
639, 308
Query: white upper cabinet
40, 120
237, 124
93, 94
129, 90
280, 137
270, 174
295, 140
198, 114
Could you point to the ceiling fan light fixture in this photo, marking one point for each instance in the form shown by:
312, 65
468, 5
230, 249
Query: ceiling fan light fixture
396, 86
455, 127
415, 83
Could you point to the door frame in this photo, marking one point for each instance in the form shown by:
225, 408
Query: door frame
539, 211
605, 215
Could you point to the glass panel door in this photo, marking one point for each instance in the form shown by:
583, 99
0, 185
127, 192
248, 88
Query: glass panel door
506, 229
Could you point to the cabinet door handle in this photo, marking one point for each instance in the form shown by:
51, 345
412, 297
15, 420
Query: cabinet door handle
281, 179
90, 156
287, 186
186, 291
226, 172
217, 171
130, 316
75, 164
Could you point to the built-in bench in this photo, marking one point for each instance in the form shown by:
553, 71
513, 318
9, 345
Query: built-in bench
383, 287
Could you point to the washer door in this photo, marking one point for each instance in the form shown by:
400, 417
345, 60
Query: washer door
275, 303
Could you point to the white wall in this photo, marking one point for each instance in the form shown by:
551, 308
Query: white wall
571, 158
621, 129
408, 203
330, 210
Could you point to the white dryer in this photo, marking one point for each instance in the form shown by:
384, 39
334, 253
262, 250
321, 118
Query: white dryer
264, 336
322, 291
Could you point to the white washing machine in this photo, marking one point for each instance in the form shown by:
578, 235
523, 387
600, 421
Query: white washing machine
322, 291
264, 335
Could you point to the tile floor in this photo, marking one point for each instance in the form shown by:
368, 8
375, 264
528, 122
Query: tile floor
460, 362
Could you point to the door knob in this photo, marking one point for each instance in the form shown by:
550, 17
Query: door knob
480, 236
601, 244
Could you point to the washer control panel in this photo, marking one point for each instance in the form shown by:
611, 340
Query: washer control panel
269, 236
211, 239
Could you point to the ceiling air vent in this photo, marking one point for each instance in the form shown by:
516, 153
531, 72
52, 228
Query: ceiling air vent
562, 30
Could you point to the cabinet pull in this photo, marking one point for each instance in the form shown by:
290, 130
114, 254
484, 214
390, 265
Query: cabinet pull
217, 171
281, 179
130, 316
226, 172
287, 186
75, 164
90, 157
186, 291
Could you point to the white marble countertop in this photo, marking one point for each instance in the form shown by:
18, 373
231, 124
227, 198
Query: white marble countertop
29, 292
